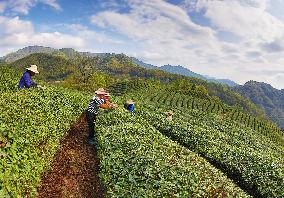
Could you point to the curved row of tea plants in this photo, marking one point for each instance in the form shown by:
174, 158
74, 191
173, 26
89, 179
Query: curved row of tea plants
32, 122
249, 157
136, 160
181, 101
162, 96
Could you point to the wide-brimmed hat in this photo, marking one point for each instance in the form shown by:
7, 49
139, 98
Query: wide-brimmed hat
100, 91
130, 101
33, 68
169, 113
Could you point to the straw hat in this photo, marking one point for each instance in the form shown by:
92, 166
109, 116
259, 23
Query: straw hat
130, 101
33, 68
169, 113
100, 91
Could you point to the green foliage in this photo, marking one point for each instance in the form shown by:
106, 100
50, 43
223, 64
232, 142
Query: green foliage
51, 67
32, 121
120, 67
253, 158
93, 82
9, 79
267, 98
59, 54
184, 86
136, 160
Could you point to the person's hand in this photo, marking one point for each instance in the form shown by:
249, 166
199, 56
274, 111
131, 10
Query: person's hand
114, 105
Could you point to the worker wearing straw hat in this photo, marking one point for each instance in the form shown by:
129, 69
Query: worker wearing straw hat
169, 115
26, 80
92, 111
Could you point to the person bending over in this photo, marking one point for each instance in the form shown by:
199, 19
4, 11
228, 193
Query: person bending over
26, 80
97, 102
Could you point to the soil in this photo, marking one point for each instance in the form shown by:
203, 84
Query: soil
75, 167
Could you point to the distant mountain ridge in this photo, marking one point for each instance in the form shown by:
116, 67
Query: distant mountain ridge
271, 100
21, 53
184, 71
70, 53
65, 52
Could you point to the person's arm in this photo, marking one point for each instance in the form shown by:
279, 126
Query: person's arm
106, 105
28, 81
98, 102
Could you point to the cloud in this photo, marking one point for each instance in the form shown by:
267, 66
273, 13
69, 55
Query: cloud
162, 29
14, 25
16, 33
2, 7
230, 39
24, 6
246, 18
90, 35
167, 34
275, 46
151, 18
51, 3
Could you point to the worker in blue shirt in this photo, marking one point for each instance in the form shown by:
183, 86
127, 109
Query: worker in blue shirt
130, 105
26, 80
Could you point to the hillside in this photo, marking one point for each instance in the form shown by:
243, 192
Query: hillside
87, 73
70, 53
271, 100
22, 53
210, 149
34, 139
52, 67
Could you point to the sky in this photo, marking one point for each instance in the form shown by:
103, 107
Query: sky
240, 40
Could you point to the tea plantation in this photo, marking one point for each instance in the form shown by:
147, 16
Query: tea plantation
32, 122
208, 150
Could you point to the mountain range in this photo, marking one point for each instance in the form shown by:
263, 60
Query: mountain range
269, 99
59, 64
184, 71
71, 53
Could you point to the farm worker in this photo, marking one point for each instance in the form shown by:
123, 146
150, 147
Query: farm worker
26, 80
129, 105
92, 111
169, 115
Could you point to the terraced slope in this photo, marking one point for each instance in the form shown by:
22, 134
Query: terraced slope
138, 161
208, 150
253, 158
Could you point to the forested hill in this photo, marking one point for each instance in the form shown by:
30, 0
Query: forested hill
89, 73
26, 51
271, 100
70, 53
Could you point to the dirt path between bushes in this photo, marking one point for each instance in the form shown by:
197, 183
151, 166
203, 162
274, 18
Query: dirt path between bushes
74, 168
